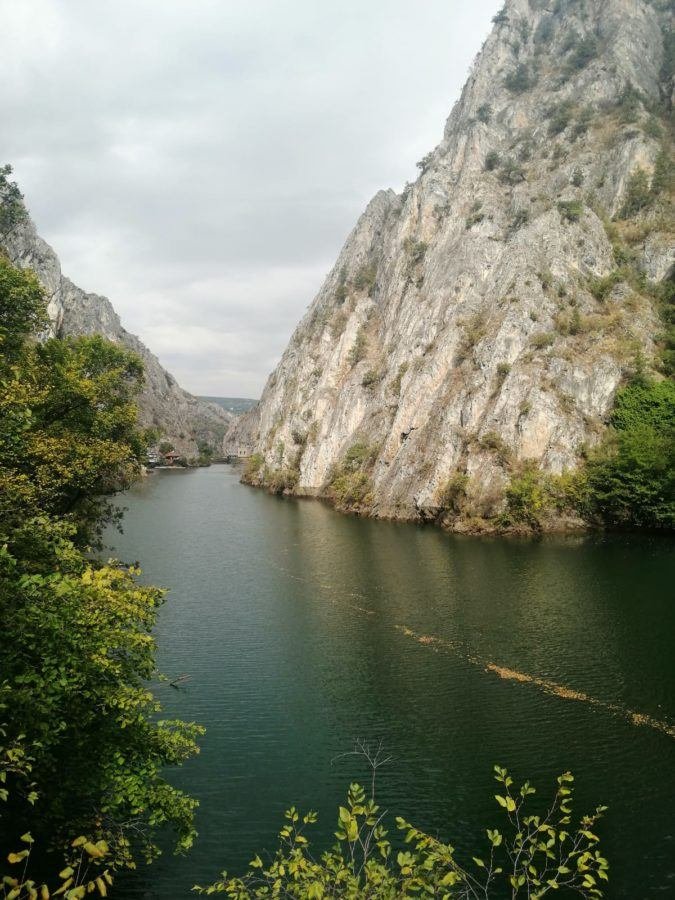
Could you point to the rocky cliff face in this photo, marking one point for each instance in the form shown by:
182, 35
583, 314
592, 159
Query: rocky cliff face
179, 417
488, 314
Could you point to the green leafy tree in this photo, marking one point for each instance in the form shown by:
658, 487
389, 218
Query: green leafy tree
631, 477
12, 210
82, 746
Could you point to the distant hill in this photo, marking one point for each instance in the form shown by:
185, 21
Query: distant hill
236, 405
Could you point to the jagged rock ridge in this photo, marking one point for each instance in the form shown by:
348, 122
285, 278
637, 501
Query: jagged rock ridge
179, 417
466, 321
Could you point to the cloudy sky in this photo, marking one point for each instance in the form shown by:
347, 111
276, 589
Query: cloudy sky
201, 162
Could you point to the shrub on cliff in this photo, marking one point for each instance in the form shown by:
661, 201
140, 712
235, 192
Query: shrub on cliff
518, 81
350, 484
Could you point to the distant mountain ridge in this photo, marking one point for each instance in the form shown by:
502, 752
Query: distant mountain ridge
235, 405
184, 420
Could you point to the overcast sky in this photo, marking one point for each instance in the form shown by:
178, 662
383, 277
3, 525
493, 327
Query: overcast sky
201, 162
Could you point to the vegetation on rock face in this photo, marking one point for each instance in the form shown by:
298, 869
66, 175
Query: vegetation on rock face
631, 476
12, 210
359, 347
81, 747
350, 485
532, 855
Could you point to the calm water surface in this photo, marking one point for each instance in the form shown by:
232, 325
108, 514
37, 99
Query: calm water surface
299, 629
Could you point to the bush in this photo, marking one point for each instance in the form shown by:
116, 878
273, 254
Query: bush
453, 495
560, 117
526, 498
544, 31
484, 113
474, 332
638, 194
663, 179
601, 288
253, 466
511, 172
542, 339
279, 481
629, 105
631, 476
12, 210
416, 250
475, 215
371, 378
424, 163
546, 279
503, 370
364, 864
492, 161
396, 382
571, 210
359, 347
519, 81
494, 443
351, 490
520, 218
582, 123
584, 51
653, 128
341, 289
364, 280
349, 484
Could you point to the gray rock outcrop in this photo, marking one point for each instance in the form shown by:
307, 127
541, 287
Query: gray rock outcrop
483, 314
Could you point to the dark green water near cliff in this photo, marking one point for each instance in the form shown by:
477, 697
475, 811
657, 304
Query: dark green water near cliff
300, 631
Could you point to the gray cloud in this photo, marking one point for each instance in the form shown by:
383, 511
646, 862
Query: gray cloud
202, 162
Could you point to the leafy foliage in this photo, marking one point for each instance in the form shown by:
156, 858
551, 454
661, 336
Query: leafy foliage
631, 477
12, 210
484, 113
349, 485
571, 210
583, 52
492, 161
359, 347
365, 278
82, 748
638, 194
453, 495
519, 81
530, 856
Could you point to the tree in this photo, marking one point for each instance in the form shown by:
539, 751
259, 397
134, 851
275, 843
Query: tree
12, 210
22, 309
82, 749
631, 476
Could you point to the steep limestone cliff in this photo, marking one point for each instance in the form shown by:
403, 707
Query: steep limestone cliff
488, 314
179, 417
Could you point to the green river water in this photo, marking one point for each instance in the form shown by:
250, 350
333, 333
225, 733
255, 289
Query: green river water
300, 630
